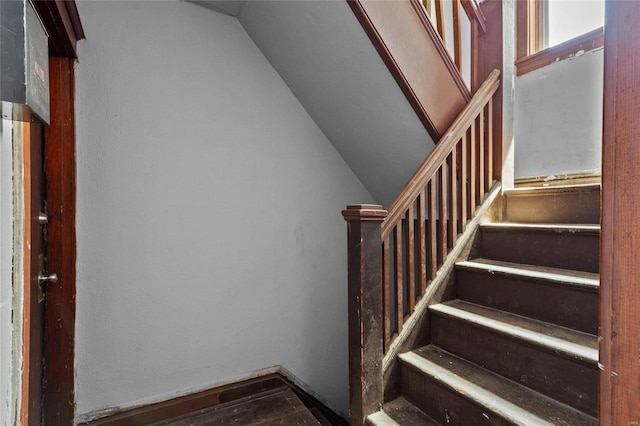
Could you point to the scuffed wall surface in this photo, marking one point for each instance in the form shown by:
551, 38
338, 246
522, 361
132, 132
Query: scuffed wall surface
210, 239
7, 408
558, 117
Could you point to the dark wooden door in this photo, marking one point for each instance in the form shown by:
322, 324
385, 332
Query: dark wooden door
34, 270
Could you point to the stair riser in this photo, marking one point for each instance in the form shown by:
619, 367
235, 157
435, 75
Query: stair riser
443, 404
554, 207
567, 306
571, 382
578, 251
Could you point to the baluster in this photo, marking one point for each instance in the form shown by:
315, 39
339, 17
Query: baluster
457, 43
475, 46
442, 211
453, 204
472, 169
422, 247
427, 7
481, 159
432, 234
490, 144
440, 21
397, 265
463, 181
386, 297
410, 261
364, 309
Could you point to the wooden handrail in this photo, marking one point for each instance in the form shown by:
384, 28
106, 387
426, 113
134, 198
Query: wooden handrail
472, 8
439, 154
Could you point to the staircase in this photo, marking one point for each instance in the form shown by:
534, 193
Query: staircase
518, 344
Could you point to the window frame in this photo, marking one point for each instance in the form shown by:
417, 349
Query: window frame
532, 32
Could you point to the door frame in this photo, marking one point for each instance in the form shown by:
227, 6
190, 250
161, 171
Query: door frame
60, 307
620, 230
31, 141
62, 22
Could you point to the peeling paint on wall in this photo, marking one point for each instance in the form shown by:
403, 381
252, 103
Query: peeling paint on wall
558, 123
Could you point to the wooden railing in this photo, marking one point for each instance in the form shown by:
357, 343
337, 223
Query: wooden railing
409, 44
446, 16
438, 199
394, 254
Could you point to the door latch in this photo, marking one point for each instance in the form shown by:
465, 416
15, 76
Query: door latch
45, 279
42, 281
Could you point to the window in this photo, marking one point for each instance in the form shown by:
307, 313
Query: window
551, 30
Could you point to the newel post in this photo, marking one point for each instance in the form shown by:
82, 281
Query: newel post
364, 224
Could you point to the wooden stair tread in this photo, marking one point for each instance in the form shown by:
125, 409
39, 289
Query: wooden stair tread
500, 397
560, 340
570, 228
585, 280
400, 412
275, 407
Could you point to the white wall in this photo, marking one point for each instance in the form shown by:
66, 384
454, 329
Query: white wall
7, 408
558, 117
210, 239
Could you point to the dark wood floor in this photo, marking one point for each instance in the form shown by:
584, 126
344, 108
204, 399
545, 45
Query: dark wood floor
275, 407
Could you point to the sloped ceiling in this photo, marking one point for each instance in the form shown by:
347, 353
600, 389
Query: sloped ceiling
228, 7
324, 56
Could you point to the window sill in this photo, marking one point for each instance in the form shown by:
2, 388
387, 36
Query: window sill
586, 42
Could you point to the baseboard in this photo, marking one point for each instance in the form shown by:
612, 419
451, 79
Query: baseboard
559, 179
259, 382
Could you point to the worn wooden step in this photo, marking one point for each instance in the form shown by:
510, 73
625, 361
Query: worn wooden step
559, 296
275, 407
566, 246
557, 361
400, 412
554, 204
456, 392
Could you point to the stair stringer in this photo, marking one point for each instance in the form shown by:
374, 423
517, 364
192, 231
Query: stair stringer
416, 330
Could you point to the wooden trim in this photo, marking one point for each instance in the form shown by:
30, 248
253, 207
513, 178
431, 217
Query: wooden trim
619, 251
474, 13
261, 382
440, 21
393, 67
586, 42
539, 39
522, 29
457, 38
442, 50
431, 164
578, 178
437, 100
60, 308
427, 6
25, 387
532, 27
31, 321
490, 57
62, 21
